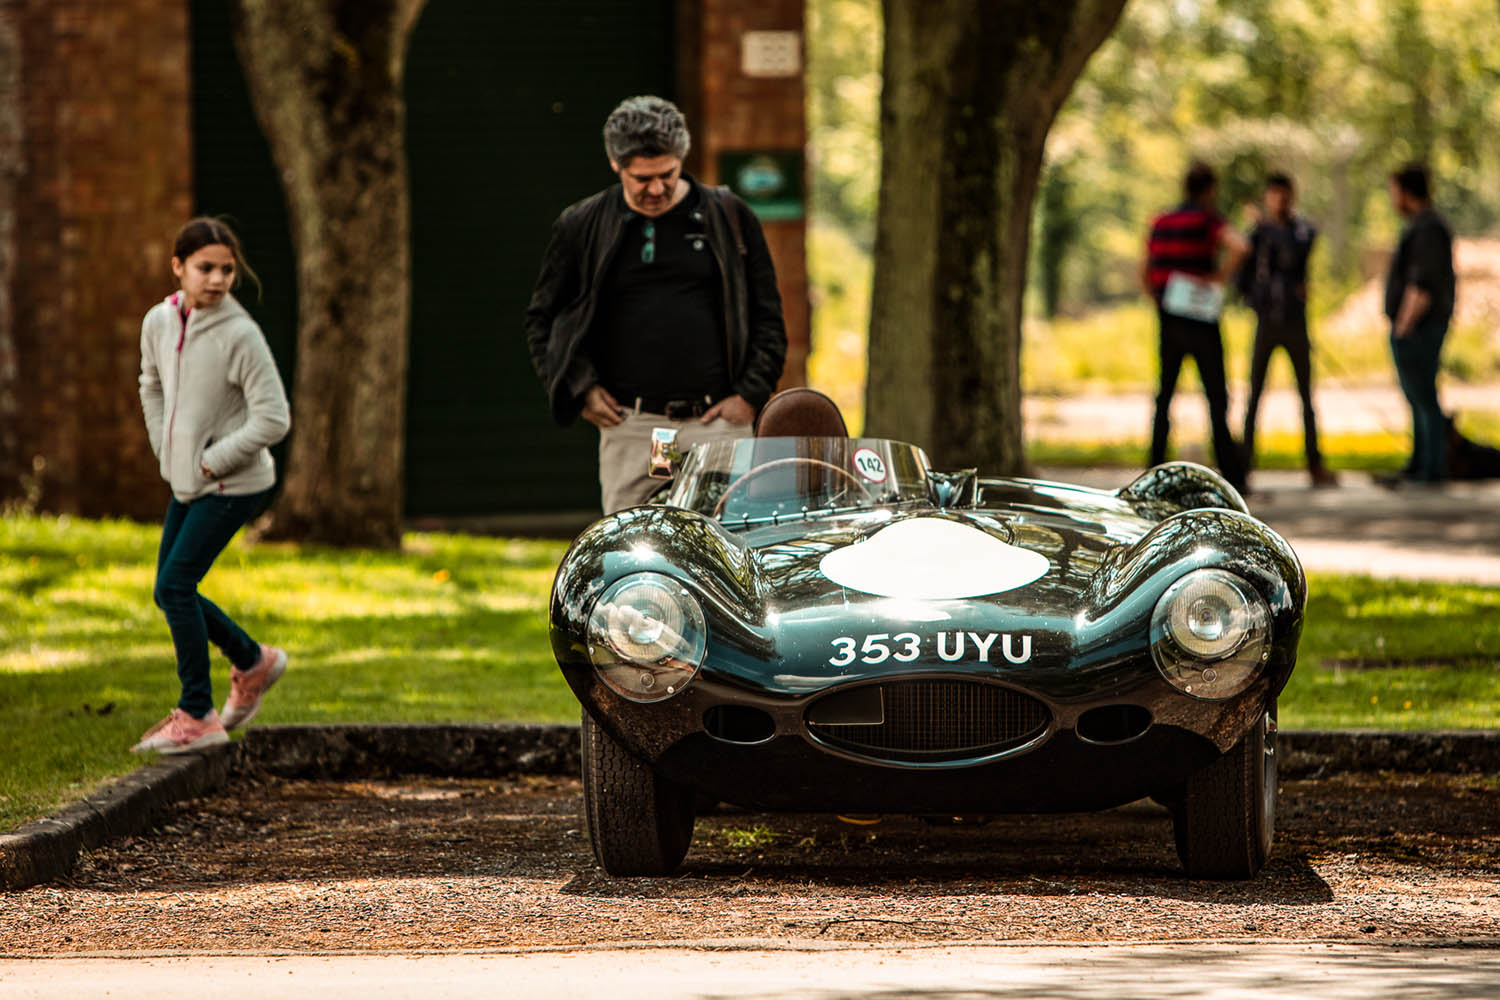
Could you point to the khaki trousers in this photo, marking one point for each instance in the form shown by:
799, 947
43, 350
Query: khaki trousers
625, 453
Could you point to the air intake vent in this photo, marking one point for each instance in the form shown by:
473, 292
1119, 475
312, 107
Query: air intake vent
927, 720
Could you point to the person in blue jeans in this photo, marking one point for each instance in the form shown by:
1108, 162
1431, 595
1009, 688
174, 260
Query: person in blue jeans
1419, 293
214, 404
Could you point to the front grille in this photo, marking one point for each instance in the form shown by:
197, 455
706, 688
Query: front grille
928, 720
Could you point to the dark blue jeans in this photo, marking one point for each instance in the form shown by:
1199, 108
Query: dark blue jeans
1182, 338
1416, 358
192, 536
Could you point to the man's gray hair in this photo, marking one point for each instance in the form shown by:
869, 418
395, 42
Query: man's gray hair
645, 126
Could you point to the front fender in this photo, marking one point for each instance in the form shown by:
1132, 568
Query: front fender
1134, 577
678, 543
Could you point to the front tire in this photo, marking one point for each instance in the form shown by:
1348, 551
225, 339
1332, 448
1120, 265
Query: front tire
640, 823
1226, 818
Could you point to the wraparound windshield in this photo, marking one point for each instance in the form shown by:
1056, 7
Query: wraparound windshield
755, 479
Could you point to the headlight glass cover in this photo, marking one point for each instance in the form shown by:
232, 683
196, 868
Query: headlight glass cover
1210, 634
647, 636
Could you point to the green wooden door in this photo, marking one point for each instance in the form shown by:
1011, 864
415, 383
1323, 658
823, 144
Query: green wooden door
505, 103
233, 177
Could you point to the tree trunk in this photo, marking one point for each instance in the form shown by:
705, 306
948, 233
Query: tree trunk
971, 88
325, 77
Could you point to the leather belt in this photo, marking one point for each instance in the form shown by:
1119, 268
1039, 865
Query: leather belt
674, 409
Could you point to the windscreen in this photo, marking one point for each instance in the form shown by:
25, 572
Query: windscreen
756, 479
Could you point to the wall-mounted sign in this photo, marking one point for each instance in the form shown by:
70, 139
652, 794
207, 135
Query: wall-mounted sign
771, 53
770, 181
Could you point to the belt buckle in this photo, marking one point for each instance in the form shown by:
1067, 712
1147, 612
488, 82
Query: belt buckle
678, 409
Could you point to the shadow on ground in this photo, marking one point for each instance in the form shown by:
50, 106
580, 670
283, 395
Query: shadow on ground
449, 864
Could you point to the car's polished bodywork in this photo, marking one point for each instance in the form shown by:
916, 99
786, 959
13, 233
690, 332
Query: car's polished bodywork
895, 696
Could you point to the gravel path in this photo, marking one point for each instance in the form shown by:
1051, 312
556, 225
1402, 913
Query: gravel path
450, 865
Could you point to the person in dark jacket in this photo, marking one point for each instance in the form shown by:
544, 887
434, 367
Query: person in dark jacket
1273, 281
1419, 291
656, 305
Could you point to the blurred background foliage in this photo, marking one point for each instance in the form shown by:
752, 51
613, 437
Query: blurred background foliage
1337, 93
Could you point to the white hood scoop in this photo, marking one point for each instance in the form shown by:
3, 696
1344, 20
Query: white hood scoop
933, 559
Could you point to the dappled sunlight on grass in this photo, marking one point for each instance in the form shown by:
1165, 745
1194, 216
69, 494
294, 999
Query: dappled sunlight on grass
1128, 447
1396, 654
455, 629
1359, 618
452, 629
42, 658
1441, 695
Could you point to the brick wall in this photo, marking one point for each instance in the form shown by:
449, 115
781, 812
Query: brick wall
106, 180
99, 177
729, 110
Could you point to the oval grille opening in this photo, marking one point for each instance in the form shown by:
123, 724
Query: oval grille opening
928, 720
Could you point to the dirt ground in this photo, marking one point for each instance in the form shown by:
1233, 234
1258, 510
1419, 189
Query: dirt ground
435, 864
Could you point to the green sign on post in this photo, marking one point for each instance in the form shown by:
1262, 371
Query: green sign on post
769, 180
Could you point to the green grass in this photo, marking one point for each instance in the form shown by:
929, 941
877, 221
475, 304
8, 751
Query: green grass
1115, 349
1374, 452
1393, 654
755, 836
454, 629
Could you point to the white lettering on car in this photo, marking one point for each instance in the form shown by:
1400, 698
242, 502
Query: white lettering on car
983, 646
958, 647
1025, 649
950, 647
913, 647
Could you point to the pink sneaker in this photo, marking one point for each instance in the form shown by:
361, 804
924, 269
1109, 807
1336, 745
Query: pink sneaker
247, 686
181, 733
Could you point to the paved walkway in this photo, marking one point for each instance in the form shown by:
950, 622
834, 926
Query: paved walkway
1069, 972
1352, 409
1448, 533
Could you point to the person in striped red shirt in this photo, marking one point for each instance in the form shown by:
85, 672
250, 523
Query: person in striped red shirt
1190, 256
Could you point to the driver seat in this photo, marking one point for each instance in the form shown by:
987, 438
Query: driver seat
800, 412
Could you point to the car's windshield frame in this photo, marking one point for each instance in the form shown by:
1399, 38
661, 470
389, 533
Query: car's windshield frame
751, 481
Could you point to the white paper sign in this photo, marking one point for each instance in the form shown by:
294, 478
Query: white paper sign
1192, 298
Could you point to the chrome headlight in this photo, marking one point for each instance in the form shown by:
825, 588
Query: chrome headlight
647, 636
1210, 634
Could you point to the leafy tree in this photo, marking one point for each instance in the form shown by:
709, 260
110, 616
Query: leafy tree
1058, 226
1336, 93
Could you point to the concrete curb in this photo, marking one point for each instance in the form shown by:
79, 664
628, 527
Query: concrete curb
47, 849
1307, 753
458, 751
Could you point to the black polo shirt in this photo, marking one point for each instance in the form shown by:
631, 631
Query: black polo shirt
659, 330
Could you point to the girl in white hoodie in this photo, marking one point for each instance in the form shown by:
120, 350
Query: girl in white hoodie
214, 404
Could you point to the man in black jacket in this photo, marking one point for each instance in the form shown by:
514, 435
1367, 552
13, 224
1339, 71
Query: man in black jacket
656, 305
1273, 281
1419, 291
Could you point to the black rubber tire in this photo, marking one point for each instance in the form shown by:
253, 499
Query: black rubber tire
1226, 819
639, 822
